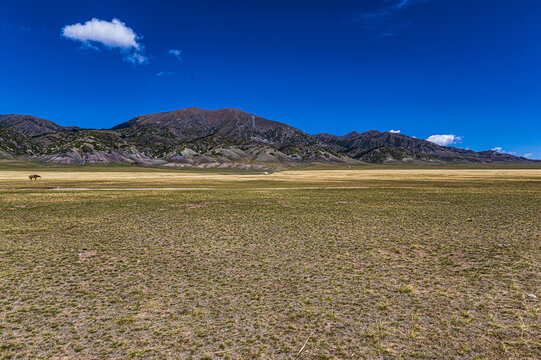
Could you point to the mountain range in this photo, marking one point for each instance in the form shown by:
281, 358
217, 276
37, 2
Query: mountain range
225, 138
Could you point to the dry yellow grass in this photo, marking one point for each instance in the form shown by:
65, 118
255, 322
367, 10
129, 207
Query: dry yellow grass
365, 264
166, 178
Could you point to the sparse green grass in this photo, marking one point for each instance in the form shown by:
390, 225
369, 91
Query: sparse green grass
436, 270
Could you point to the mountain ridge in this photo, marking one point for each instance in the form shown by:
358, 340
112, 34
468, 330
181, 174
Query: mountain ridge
222, 138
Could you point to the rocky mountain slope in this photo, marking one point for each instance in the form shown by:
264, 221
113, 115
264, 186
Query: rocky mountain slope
29, 125
226, 138
374, 146
193, 123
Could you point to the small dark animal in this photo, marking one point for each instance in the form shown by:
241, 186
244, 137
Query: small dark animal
35, 177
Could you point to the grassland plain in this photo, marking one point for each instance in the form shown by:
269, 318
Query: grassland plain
353, 264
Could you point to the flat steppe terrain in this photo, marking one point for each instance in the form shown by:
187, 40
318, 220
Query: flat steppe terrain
116, 263
131, 178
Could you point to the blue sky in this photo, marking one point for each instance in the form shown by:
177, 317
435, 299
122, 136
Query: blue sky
424, 67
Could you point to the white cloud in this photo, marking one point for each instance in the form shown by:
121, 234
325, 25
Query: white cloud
394, 131
110, 34
444, 140
176, 53
527, 155
113, 33
501, 150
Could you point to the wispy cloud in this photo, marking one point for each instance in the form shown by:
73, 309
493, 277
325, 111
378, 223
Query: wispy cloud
176, 53
527, 155
394, 131
136, 58
444, 140
165, 73
387, 19
24, 28
400, 4
108, 34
